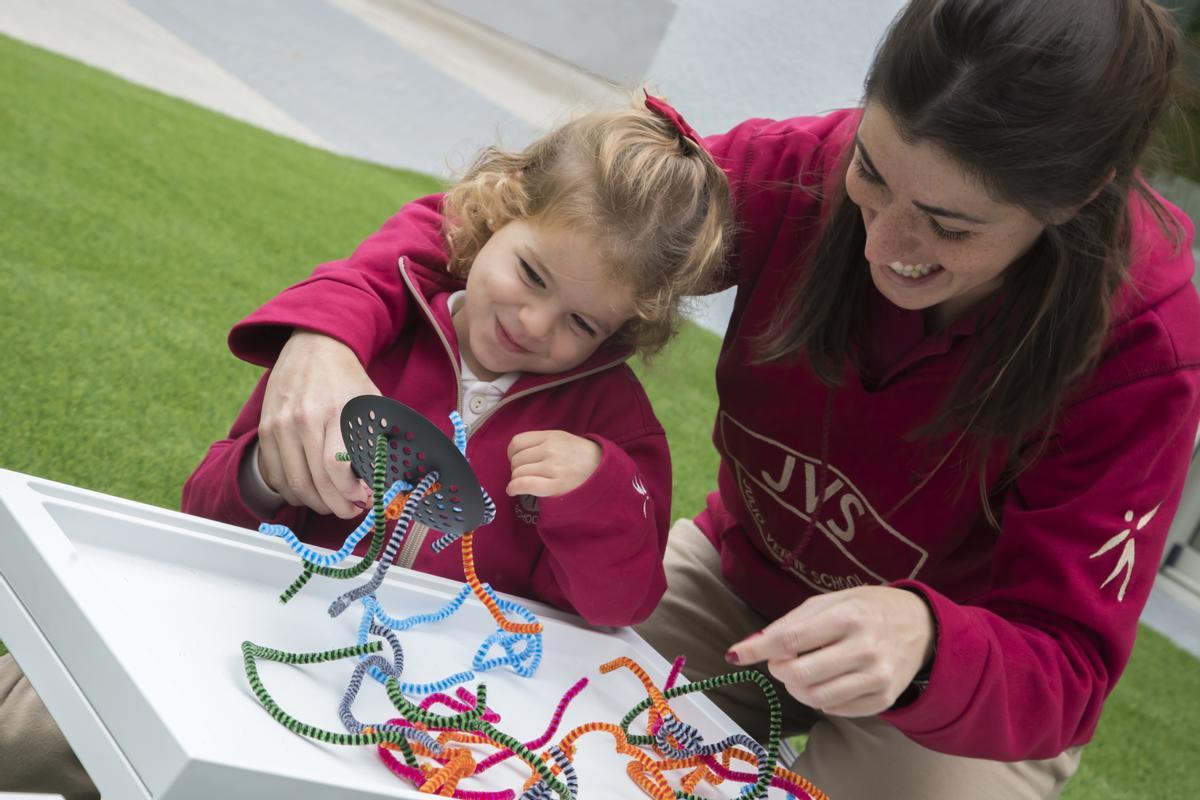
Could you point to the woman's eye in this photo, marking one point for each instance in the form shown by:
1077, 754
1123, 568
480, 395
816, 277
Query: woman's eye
946, 233
531, 275
581, 323
861, 168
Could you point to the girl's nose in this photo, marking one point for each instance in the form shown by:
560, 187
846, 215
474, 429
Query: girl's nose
537, 320
890, 235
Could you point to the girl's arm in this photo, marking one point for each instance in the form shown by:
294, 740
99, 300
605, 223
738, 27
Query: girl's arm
604, 541
360, 301
317, 335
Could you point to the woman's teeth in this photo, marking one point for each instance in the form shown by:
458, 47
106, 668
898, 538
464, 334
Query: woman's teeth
913, 270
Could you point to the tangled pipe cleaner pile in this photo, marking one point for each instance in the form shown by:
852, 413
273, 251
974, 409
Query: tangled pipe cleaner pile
418, 475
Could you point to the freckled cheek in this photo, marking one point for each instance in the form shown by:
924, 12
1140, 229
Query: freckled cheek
868, 217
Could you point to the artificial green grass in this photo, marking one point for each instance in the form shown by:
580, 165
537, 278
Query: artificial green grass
681, 384
137, 229
1146, 744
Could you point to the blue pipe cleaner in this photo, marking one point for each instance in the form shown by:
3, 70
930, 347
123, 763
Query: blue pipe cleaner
460, 432
322, 559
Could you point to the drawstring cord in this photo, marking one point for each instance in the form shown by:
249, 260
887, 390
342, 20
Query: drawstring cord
822, 482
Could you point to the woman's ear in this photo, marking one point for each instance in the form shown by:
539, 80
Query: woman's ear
1066, 215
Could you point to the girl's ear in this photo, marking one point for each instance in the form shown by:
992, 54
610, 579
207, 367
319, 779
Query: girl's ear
1066, 215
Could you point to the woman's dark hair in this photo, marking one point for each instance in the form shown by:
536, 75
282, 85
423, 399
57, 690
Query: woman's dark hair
1049, 104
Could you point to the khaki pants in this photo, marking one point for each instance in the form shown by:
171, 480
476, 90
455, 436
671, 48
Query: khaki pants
848, 759
34, 756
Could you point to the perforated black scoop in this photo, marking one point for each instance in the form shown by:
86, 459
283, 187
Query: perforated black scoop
416, 448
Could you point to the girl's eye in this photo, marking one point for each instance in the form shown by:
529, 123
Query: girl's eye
946, 233
581, 323
531, 275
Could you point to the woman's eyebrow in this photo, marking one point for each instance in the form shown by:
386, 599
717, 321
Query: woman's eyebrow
936, 211
941, 212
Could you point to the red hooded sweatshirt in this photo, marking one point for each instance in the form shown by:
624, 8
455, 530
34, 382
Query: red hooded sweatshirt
596, 550
1036, 621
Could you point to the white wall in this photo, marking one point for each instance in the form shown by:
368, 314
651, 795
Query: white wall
722, 62
614, 39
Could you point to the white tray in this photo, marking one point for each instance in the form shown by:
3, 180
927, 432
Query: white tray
128, 620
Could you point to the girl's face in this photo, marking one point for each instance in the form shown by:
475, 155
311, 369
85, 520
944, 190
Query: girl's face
936, 240
538, 300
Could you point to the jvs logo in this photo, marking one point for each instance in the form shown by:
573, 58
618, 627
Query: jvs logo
786, 492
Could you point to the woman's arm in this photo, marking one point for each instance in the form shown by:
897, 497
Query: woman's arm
1024, 670
299, 433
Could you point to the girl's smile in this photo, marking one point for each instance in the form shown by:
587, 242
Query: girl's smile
508, 342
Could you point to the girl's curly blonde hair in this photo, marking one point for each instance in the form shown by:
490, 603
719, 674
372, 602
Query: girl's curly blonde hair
654, 201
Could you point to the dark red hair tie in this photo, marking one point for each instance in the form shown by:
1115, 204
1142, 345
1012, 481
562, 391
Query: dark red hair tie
664, 110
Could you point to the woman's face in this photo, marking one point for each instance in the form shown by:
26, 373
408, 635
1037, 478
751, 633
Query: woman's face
936, 240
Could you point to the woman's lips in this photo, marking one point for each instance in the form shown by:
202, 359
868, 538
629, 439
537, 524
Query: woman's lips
507, 342
925, 273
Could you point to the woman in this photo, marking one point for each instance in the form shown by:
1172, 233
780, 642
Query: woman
958, 400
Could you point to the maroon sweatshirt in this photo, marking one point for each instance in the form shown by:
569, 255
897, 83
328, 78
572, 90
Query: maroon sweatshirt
596, 550
1036, 621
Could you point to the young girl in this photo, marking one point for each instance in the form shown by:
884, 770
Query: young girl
527, 287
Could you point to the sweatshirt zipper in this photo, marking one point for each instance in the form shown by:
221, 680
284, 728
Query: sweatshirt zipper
419, 531
534, 389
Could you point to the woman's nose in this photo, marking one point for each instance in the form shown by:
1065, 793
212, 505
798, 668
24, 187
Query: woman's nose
890, 235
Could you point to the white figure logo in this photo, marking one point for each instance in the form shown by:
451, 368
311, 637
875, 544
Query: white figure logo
1125, 562
640, 488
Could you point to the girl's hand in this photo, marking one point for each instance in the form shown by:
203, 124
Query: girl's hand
299, 431
848, 653
550, 463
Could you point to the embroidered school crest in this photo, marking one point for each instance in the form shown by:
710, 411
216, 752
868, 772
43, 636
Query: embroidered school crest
854, 545
640, 488
525, 508
1128, 552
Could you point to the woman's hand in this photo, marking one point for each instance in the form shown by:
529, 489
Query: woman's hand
550, 463
299, 431
849, 653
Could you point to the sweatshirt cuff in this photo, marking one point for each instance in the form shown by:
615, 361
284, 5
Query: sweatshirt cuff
593, 492
953, 678
260, 498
